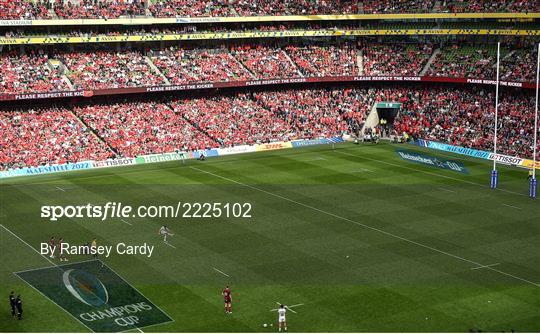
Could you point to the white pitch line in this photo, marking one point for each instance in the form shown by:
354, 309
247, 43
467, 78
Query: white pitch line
295, 305
511, 206
57, 187
293, 311
448, 190
27, 244
168, 244
362, 170
368, 226
221, 272
486, 266
126, 222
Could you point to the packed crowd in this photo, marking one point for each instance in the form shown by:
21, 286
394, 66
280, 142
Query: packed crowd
172, 8
265, 62
465, 61
492, 6
401, 6
396, 59
320, 61
133, 129
295, 7
462, 117
466, 118
519, 65
47, 9
103, 69
36, 137
481, 62
233, 120
23, 9
317, 113
182, 66
86, 9
29, 73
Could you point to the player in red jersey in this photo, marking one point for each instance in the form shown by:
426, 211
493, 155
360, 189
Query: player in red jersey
62, 257
227, 298
51, 245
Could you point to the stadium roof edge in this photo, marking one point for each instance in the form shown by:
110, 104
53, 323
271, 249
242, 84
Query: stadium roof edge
245, 19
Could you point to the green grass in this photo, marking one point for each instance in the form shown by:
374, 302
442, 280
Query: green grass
365, 240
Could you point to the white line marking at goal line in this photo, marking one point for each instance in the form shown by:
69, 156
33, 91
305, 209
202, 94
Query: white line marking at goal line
221, 272
486, 266
57, 187
448, 190
511, 206
368, 226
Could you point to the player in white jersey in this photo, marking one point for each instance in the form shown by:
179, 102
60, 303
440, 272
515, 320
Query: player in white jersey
282, 322
164, 231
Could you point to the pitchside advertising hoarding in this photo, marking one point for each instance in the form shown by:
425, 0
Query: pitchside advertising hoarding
176, 156
500, 158
96, 296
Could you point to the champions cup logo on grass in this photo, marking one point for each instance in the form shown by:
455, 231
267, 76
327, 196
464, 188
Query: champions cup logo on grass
96, 296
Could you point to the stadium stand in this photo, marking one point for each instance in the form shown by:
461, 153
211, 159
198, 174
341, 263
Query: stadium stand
29, 73
181, 66
462, 117
65, 9
107, 69
36, 137
265, 62
465, 61
133, 129
466, 117
395, 59
233, 120
104, 68
323, 61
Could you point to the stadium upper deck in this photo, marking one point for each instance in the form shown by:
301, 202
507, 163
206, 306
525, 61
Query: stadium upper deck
105, 71
112, 9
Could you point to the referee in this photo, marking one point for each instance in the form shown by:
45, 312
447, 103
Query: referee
12, 303
18, 304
